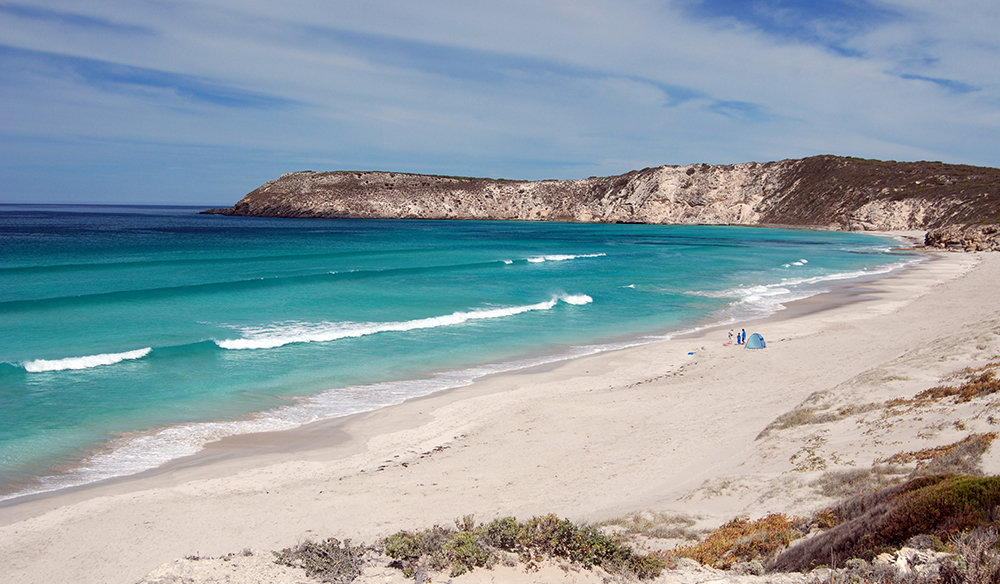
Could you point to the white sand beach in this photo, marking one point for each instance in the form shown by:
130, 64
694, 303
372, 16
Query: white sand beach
650, 428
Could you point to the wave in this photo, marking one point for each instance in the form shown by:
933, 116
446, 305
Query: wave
87, 362
141, 451
762, 300
289, 333
562, 257
765, 299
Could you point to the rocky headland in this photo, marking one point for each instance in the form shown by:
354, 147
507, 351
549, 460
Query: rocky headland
825, 192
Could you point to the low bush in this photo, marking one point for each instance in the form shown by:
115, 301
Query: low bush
329, 560
977, 383
938, 505
473, 546
655, 525
962, 457
742, 540
979, 559
840, 484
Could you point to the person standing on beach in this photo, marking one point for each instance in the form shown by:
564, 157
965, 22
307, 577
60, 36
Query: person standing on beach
743, 336
730, 336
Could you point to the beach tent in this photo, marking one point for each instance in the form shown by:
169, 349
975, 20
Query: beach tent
756, 342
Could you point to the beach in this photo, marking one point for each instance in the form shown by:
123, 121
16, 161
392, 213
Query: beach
675, 426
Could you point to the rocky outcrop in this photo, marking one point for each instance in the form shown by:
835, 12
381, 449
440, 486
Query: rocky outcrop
822, 191
965, 237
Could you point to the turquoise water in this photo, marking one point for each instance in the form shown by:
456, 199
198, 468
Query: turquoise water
130, 336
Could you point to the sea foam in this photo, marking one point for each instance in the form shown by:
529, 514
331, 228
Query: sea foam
88, 362
562, 257
298, 332
141, 451
766, 299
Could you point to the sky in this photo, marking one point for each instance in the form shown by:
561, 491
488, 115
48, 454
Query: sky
198, 103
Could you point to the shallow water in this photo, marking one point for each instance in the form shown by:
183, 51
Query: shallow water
130, 336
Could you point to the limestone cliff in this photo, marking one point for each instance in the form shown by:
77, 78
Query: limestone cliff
822, 191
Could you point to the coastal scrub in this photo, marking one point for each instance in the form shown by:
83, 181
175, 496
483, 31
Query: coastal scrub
943, 506
471, 546
742, 540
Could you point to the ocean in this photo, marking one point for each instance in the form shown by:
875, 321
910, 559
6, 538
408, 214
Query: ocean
130, 336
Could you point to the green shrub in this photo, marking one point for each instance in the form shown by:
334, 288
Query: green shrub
476, 546
465, 553
503, 533
402, 546
940, 505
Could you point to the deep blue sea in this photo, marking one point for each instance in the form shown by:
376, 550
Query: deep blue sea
130, 336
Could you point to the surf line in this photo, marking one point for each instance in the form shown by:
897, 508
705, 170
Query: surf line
272, 337
87, 362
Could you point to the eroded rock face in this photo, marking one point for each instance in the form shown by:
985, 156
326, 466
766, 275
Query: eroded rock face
965, 237
822, 191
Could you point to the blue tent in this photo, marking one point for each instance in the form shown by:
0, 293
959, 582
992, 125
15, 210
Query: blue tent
756, 342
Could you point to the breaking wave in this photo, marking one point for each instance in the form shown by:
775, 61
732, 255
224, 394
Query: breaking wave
289, 333
88, 362
766, 299
562, 258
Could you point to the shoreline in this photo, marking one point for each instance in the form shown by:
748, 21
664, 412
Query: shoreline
462, 378
647, 427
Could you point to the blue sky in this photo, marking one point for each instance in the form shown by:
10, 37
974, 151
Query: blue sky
177, 102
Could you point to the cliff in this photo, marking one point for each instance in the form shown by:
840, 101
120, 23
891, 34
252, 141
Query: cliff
821, 191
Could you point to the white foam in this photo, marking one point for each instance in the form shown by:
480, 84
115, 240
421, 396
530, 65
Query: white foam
764, 300
133, 454
297, 332
562, 258
88, 362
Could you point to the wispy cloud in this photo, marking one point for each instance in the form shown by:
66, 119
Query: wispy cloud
949, 84
829, 23
141, 82
520, 89
72, 19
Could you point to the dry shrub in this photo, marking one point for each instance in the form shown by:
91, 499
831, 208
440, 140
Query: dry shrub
939, 505
742, 540
978, 383
796, 417
978, 552
330, 560
841, 484
961, 457
809, 416
655, 525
